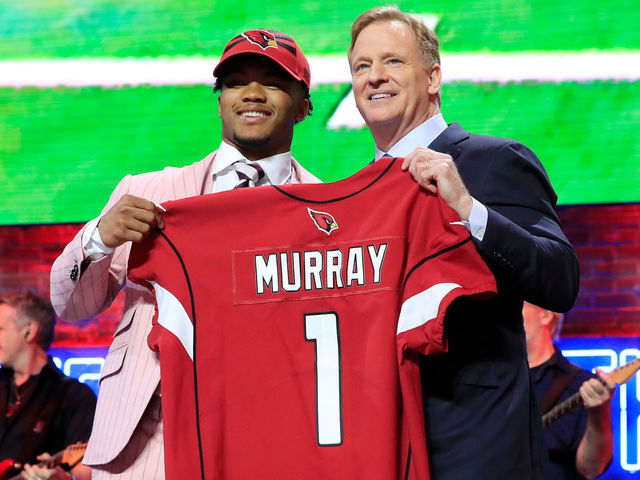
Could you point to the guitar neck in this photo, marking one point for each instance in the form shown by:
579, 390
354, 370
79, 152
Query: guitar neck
620, 375
561, 409
55, 459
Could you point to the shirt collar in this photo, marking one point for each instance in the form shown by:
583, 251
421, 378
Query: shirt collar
421, 136
554, 361
277, 168
50, 365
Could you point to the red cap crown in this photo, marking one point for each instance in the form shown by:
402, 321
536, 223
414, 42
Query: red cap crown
277, 46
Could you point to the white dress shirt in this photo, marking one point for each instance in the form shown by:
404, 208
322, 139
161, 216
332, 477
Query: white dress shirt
422, 136
277, 169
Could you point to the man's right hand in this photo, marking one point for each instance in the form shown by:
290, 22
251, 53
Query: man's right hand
130, 219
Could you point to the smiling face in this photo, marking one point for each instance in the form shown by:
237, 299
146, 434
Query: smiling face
393, 89
259, 104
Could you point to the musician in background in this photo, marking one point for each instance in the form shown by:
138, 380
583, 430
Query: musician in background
41, 410
580, 444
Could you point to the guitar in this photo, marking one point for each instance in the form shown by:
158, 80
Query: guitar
67, 459
620, 375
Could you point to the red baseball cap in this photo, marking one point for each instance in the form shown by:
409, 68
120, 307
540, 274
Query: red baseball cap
277, 46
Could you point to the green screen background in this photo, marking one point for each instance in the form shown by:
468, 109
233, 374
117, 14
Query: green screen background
62, 150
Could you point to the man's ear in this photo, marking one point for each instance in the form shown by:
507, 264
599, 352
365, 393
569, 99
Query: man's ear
302, 109
546, 316
219, 114
435, 79
32, 331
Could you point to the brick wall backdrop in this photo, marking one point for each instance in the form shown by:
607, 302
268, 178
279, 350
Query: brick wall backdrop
607, 240
606, 237
26, 255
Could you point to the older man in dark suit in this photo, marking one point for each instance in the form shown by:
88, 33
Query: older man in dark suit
481, 414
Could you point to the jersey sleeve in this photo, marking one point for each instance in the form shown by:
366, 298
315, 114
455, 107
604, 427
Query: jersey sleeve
156, 264
442, 265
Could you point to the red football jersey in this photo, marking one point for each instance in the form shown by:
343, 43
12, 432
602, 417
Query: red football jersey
289, 320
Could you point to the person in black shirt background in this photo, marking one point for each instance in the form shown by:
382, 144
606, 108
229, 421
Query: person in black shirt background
41, 410
580, 444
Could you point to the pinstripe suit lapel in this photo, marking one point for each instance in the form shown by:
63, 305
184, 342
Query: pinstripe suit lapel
192, 180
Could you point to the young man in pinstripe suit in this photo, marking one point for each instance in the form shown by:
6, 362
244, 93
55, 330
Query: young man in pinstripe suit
264, 80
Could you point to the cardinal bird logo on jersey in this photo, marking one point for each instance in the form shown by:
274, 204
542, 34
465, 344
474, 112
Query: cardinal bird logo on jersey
324, 221
262, 38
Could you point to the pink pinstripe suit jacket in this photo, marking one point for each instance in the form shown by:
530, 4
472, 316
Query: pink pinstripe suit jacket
131, 371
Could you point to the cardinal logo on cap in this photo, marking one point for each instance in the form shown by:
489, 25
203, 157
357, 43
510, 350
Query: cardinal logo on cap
262, 38
324, 221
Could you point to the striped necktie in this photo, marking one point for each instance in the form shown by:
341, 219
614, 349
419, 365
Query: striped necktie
249, 174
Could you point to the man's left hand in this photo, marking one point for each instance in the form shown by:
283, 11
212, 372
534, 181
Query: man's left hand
437, 173
595, 392
36, 472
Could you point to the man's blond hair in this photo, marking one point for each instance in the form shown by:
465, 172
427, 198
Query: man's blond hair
426, 39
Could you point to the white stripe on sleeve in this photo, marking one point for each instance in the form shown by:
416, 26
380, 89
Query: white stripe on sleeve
421, 308
173, 317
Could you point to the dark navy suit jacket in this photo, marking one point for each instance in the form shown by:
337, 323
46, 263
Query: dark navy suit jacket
480, 410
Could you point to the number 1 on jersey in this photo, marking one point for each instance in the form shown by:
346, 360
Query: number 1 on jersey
322, 329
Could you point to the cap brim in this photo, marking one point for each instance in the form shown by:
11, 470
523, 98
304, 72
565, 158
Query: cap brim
250, 51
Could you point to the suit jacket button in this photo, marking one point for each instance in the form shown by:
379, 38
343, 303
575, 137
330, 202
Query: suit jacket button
74, 273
